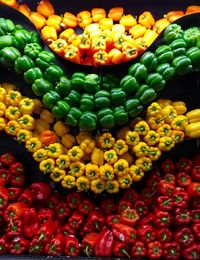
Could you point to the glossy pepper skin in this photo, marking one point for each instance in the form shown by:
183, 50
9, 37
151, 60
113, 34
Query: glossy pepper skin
164, 203
53, 73
104, 244
138, 250
19, 247
7, 159
30, 223
9, 55
171, 250
129, 217
40, 191
55, 245
124, 233
146, 234
50, 99
46, 231
193, 189
91, 83
4, 244
41, 86
23, 63
63, 86
191, 252
120, 249
154, 250
45, 59
71, 246
88, 244
96, 219
88, 121
164, 235
129, 84
184, 237
173, 32
14, 228
32, 74
14, 211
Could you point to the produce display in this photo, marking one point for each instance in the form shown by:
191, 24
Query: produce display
161, 221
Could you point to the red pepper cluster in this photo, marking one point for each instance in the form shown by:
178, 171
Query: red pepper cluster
162, 221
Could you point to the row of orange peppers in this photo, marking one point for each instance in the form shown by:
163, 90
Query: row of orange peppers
106, 39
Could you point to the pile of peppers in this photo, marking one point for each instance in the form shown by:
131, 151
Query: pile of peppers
162, 221
92, 101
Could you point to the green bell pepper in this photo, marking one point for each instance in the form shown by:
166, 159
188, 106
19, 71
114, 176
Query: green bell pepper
139, 71
109, 81
172, 32
103, 112
148, 96
45, 59
118, 96
178, 47
89, 96
194, 55
77, 81
73, 99
91, 83
32, 74
86, 104
63, 87
50, 99
149, 60
6, 26
129, 84
41, 87
23, 63
102, 93
164, 54
21, 38
131, 104
166, 70
140, 91
191, 36
35, 38
182, 65
53, 73
19, 27
136, 111
61, 109
88, 121
107, 121
73, 116
155, 81
121, 117
9, 55
6, 41
32, 50
102, 99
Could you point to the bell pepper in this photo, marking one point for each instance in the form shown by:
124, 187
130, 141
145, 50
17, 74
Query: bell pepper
33, 144
181, 216
171, 250
68, 141
167, 165
166, 70
104, 243
129, 217
18, 180
192, 130
184, 164
23, 63
138, 250
164, 54
183, 180
45, 59
27, 122
72, 54
7, 26
155, 81
109, 82
195, 202
4, 245
77, 81
164, 235
191, 252
46, 231
178, 47
144, 163
36, 247
184, 237
32, 50
7, 159
6, 41
165, 188
124, 233
164, 203
30, 223
96, 219
14, 228
75, 220
86, 206
193, 116
55, 245
14, 193
88, 243
19, 246
61, 108
191, 36
9, 55
32, 75
74, 199
139, 71
49, 33
195, 229
50, 99
160, 25
21, 38
41, 86
172, 32
88, 121
71, 246
182, 64
195, 216
86, 104
146, 19
129, 84
3, 198
53, 73
67, 230
63, 87
181, 198
194, 55
149, 60
91, 83
120, 249
45, 214
196, 173
146, 234
154, 250
40, 191
194, 189
57, 174
162, 218
15, 211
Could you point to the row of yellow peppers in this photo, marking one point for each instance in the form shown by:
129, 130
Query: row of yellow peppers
103, 162
107, 39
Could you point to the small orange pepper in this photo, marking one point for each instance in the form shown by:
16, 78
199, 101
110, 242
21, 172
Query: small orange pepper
69, 20
84, 18
45, 8
38, 20
116, 13
146, 19
173, 18
49, 34
97, 14
24, 9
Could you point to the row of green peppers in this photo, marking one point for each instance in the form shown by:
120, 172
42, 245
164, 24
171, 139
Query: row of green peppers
89, 100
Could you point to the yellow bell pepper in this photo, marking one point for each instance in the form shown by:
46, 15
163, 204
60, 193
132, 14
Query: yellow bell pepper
68, 141
47, 117
33, 144
149, 37
121, 134
120, 147
24, 135
132, 138
97, 156
62, 161
144, 163
106, 172
61, 128
136, 173
82, 136
193, 116
26, 106
141, 149
110, 156
47, 165
164, 130
12, 127
193, 130
121, 167
105, 23
156, 121
88, 145
54, 21
137, 31
179, 123
154, 153
178, 136
84, 18
92, 171
41, 126
112, 186
57, 174
3, 123
106, 141
166, 143
125, 181
27, 122
2, 94
153, 110
8, 86
75, 154
164, 102
128, 21
13, 113
13, 98
82, 183
40, 155
37, 107
97, 186
142, 128
128, 157
169, 113
77, 169
146, 19
68, 182
118, 28
152, 138
55, 150
3, 109
180, 107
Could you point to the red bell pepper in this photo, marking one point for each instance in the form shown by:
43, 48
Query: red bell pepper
26, 197
171, 250
164, 188
192, 252
152, 182
55, 246
108, 206
14, 193
129, 217
71, 246
196, 231
45, 214
124, 233
4, 245
184, 165
194, 189
183, 179
130, 195
148, 220
18, 245
146, 234
15, 211
181, 199
36, 247
104, 244
62, 210
162, 218
164, 203
170, 178
195, 216
123, 204
74, 199
181, 216
46, 231
67, 230
14, 228
6, 175
154, 250
96, 220
76, 220
40, 191
31, 222
196, 173
2, 182
147, 195
167, 166
7, 159
4, 197
138, 250
88, 244
86, 206
184, 237
85, 230
120, 249
195, 202
110, 220
16, 168
53, 200
18, 180
164, 235
141, 208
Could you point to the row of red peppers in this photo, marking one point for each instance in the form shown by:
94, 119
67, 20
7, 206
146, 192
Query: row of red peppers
162, 221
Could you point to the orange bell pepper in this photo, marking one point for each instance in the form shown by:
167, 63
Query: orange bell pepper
72, 54
119, 39
38, 20
146, 19
192, 9
175, 17
67, 34
98, 14
137, 31
129, 51
106, 24
48, 137
149, 37
11, 3
116, 13
115, 56
88, 60
160, 25
59, 46
98, 44
24, 9
141, 45
128, 21
84, 18
54, 21
70, 20
45, 8
84, 45
49, 34
100, 58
